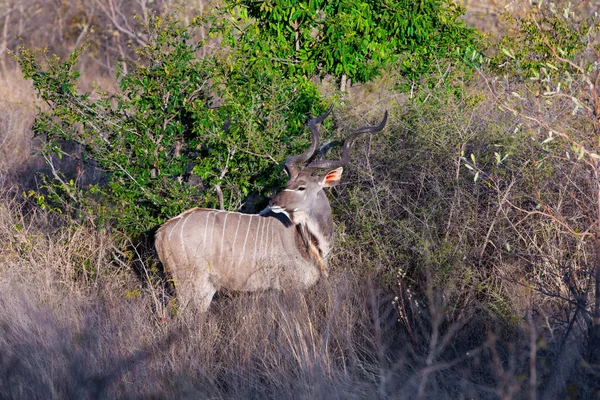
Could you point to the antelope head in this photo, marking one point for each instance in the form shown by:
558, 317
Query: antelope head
303, 200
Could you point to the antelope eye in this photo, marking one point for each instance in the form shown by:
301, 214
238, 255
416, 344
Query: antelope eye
301, 188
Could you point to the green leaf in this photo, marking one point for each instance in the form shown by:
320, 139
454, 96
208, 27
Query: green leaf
508, 53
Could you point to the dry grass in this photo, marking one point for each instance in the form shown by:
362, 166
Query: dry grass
75, 324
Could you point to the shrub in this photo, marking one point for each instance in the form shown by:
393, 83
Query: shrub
552, 58
179, 128
352, 38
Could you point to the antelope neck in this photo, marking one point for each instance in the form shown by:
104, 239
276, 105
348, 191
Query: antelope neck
316, 231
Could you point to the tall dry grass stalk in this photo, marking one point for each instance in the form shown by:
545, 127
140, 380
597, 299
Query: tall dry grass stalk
76, 324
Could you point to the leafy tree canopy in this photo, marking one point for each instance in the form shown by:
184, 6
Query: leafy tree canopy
181, 129
355, 38
185, 129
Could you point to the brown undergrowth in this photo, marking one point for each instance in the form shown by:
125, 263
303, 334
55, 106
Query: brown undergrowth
410, 310
76, 324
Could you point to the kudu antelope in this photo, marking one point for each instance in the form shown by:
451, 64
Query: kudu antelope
287, 244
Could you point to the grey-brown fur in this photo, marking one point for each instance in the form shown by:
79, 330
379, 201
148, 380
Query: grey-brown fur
206, 250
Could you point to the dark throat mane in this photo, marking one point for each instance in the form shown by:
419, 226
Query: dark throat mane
310, 240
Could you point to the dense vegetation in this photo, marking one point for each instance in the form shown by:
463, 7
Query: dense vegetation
466, 264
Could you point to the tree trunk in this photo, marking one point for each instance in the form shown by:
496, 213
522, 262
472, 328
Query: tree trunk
343, 83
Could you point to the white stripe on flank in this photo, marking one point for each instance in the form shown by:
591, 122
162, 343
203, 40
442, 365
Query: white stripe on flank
256, 241
261, 242
236, 233
170, 233
206, 228
223, 237
267, 243
212, 235
181, 234
245, 240
273, 241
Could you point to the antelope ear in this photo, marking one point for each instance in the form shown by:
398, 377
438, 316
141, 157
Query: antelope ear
333, 177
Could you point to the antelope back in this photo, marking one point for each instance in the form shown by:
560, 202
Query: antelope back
205, 250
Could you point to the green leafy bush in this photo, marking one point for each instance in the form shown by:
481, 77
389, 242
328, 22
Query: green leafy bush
186, 131
179, 127
353, 38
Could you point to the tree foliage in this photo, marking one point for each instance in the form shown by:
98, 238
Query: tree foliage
179, 127
354, 38
186, 130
